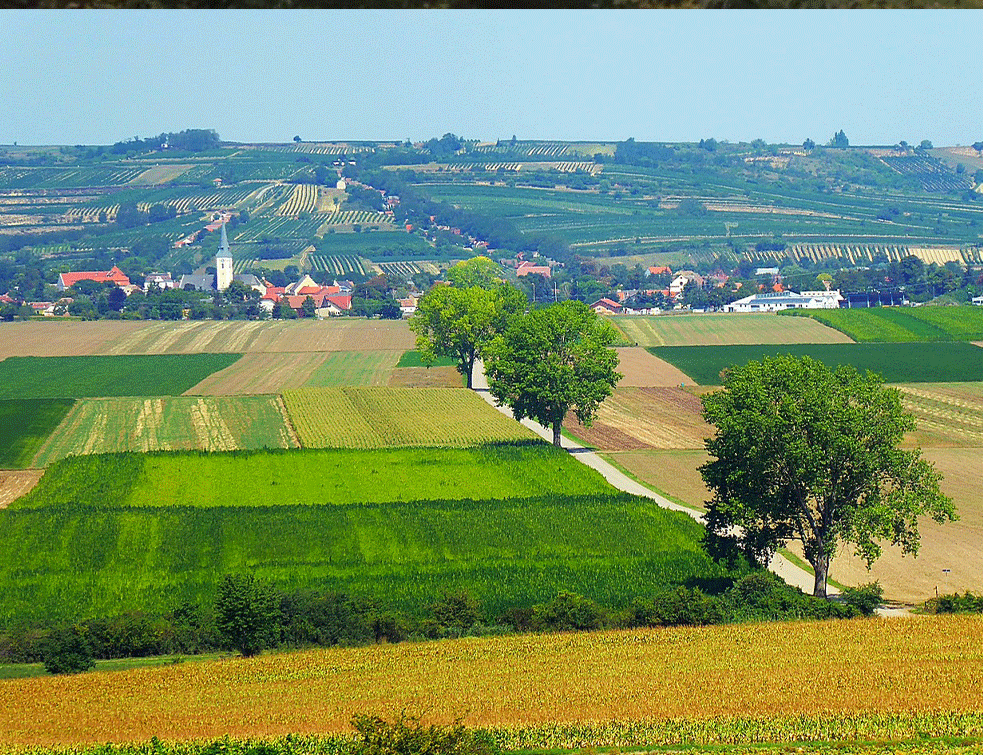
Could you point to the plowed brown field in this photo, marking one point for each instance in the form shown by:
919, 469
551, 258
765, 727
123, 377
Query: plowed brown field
636, 418
15, 483
260, 373
425, 377
641, 369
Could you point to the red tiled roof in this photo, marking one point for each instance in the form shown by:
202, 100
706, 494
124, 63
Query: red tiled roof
99, 276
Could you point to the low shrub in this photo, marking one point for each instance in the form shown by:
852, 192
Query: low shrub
68, 651
865, 598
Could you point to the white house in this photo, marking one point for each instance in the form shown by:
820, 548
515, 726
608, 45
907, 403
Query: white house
680, 280
978, 300
776, 302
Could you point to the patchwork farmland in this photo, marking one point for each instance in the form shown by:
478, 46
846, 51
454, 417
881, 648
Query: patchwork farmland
718, 329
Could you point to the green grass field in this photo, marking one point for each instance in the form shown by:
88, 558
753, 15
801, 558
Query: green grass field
391, 417
354, 368
77, 377
903, 324
104, 534
894, 362
719, 329
25, 424
310, 477
206, 423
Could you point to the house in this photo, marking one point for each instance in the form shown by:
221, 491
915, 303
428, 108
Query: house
115, 275
531, 268
606, 307
680, 280
160, 280
659, 271
776, 302
977, 300
408, 305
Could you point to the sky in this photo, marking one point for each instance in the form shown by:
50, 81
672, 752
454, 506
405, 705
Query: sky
97, 77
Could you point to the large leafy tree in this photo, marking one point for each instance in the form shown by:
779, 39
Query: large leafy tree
460, 320
246, 613
806, 453
552, 361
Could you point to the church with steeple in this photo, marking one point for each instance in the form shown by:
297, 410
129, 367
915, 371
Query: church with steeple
224, 274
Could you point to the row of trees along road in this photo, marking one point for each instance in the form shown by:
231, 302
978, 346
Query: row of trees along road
801, 452
542, 363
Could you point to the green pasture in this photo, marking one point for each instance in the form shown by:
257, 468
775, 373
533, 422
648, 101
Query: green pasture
25, 424
718, 329
894, 362
273, 478
64, 562
354, 368
412, 358
76, 377
904, 324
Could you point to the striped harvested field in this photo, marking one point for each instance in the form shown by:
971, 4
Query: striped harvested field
96, 426
259, 373
719, 329
947, 414
642, 369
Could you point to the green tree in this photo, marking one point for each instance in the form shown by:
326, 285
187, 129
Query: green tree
460, 322
68, 651
805, 453
477, 271
246, 613
839, 140
308, 308
552, 361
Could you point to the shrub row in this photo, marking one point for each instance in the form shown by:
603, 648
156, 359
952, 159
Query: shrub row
305, 618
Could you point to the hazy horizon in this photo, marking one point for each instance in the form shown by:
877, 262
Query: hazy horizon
98, 77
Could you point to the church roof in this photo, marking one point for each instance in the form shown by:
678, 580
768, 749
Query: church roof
223, 249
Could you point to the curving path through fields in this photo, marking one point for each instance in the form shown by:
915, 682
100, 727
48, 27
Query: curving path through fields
780, 565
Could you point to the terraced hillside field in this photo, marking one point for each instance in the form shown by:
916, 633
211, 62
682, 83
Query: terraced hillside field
716, 329
393, 417
794, 683
224, 423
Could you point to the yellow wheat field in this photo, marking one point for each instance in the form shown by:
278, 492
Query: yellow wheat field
866, 666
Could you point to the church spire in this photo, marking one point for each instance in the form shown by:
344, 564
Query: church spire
223, 249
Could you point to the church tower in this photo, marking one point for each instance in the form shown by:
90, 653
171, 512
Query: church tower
223, 263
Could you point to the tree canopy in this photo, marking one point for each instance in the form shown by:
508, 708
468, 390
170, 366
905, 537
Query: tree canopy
460, 322
552, 361
806, 453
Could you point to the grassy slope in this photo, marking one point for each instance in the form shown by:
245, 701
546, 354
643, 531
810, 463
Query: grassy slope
895, 362
24, 426
75, 377
907, 324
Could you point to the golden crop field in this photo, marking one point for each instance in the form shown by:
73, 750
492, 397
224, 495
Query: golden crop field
771, 674
948, 414
261, 373
719, 329
75, 338
95, 426
373, 417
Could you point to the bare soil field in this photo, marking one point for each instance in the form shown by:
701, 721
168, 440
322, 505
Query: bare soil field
641, 369
636, 418
425, 377
720, 329
74, 338
955, 546
17, 482
260, 373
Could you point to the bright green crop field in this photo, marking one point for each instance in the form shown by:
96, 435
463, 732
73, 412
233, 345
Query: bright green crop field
105, 534
894, 362
903, 324
83, 376
354, 368
24, 426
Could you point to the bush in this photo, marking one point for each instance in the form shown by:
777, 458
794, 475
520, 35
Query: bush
567, 611
246, 613
408, 736
452, 615
68, 652
956, 603
865, 598
677, 607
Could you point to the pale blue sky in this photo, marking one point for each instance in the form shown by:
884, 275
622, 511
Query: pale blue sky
95, 77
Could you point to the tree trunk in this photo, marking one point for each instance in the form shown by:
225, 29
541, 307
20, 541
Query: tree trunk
821, 568
557, 426
470, 374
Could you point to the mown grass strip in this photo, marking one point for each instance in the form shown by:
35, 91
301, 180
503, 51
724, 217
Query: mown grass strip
894, 362
412, 358
78, 377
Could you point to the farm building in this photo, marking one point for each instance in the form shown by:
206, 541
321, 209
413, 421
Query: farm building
977, 300
160, 280
530, 268
681, 279
778, 301
606, 306
659, 270
115, 275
